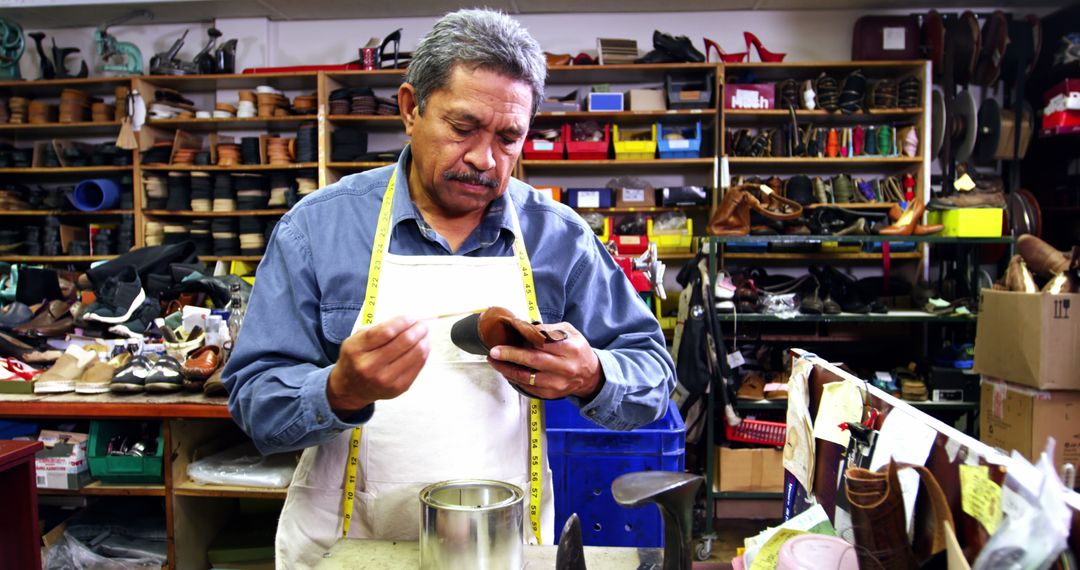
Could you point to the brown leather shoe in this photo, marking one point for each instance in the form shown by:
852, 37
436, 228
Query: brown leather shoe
1018, 278
478, 333
213, 387
202, 363
51, 319
1041, 257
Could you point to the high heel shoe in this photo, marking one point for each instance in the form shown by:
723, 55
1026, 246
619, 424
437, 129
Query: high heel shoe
908, 222
764, 54
401, 58
711, 46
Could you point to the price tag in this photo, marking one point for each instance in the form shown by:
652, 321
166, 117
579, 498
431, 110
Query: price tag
543, 145
765, 189
684, 144
980, 497
893, 39
735, 360
725, 172
964, 183
633, 195
588, 199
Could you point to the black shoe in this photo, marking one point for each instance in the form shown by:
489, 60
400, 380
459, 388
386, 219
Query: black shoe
140, 321
117, 298
678, 46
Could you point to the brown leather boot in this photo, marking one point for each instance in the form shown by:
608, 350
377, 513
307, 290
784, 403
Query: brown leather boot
732, 216
1018, 278
1041, 257
877, 519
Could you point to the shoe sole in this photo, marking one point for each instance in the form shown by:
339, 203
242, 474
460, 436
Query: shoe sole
53, 389
92, 389
125, 388
162, 387
122, 318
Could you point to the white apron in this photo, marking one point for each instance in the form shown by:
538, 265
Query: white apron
459, 420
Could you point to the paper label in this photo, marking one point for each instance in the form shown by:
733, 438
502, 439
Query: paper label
735, 359
893, 39
980, 497
769, 554
677, 144
841, 402
543, 145
725, 172
964, 183
588, 199
1000, 391
765, 189
633, 195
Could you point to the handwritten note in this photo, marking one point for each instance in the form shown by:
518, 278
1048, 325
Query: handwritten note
980, 497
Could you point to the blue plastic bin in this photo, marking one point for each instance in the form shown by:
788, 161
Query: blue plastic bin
687, 147
585, 458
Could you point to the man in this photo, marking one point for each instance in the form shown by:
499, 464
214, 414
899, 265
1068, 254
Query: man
347, 326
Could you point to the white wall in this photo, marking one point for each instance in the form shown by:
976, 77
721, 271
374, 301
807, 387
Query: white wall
804, 35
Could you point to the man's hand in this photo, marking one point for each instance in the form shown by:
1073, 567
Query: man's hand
377, 363
568, 367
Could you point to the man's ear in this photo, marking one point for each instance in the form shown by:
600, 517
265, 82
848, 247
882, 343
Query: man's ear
407, 106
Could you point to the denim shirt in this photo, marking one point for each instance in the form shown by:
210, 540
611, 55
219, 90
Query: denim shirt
311, 283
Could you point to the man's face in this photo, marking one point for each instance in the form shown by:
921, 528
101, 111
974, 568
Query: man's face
468, 139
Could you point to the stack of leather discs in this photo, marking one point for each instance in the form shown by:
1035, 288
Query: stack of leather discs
280, 185
387, 106
4, 114
251, 192
228, 154
280, 151
249, 150
201, 192
156, 193
251, 236
225, 238
307, 143
363, 103
184, 156
17, 105
102, 112
224, 111
159, 154
155, 233
270, 102
73, 106
304, 104
224, 197
199, 232
340, 101
49, 159
306, 183
40, 111
175, 234
179, 192
245, 109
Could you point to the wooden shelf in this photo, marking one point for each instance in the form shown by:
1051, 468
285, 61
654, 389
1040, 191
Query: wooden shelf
109, 406
642, 209
369, 120
291, 81
54, 258
97, 488
870, 161
357, 165
189, 488
65, 213
237, 168
627, 116
234, 124
745, 117
255, 258
65, 129
898, 316
67, 170
89, 85
609, 163
380, 78
233, 214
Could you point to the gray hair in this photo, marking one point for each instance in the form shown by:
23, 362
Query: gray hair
481, 38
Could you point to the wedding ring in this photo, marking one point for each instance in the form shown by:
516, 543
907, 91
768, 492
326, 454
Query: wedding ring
532, 379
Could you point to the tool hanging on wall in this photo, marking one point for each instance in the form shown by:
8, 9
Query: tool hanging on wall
56, 68
12, 46
126, 57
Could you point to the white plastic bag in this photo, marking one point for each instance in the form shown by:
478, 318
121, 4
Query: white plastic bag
70, 554
243, 465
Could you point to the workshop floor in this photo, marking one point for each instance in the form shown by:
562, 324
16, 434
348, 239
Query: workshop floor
732, 532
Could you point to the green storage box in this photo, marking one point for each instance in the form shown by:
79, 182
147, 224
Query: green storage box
124, 468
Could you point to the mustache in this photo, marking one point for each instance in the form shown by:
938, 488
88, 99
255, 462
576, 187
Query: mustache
471, 178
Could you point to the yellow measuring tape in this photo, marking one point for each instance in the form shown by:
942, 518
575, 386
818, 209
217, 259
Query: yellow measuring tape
536, 423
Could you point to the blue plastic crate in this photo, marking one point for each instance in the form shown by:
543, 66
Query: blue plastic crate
687, 147
585, 458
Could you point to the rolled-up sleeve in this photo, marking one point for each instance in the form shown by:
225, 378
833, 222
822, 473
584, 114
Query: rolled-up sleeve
277, 373
639, 374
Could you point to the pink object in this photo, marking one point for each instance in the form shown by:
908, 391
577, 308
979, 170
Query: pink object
756, 96
816, 552
738, 563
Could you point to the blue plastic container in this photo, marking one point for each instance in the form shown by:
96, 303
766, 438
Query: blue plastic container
687, 147
585, 458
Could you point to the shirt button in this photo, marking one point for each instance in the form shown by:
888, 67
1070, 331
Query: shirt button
319, 418
591, 413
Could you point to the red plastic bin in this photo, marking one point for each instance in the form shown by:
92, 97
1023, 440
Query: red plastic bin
545, 150
586, 150
757, 431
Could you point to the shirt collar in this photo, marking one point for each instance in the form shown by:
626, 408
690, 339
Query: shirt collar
497, 218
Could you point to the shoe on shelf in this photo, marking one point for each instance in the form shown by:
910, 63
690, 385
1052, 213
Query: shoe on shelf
15, 369
678, 46
764, 54
1041, 258
98, 377
711, 46
67, 370
131, 377
167, 375
213, 387
908, 222
201, 364
117, 298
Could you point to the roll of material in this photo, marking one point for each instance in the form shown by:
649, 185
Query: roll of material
96, 194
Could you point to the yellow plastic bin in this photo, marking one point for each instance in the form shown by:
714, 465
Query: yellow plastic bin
968, 222
672, 241
636, 146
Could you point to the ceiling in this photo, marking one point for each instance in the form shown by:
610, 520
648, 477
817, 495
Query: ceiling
79, 13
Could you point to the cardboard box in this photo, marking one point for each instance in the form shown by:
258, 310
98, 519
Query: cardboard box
1030, 339
683, 196
759, 470
635, 197
62, 464
646, 100
552, 192
1021, 418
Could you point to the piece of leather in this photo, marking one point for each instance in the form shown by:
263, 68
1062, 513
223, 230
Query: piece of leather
933, 39
478, 333
995, 38
963, 36
1041, 257
45, 318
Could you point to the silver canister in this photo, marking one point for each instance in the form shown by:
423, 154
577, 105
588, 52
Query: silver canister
471, 523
